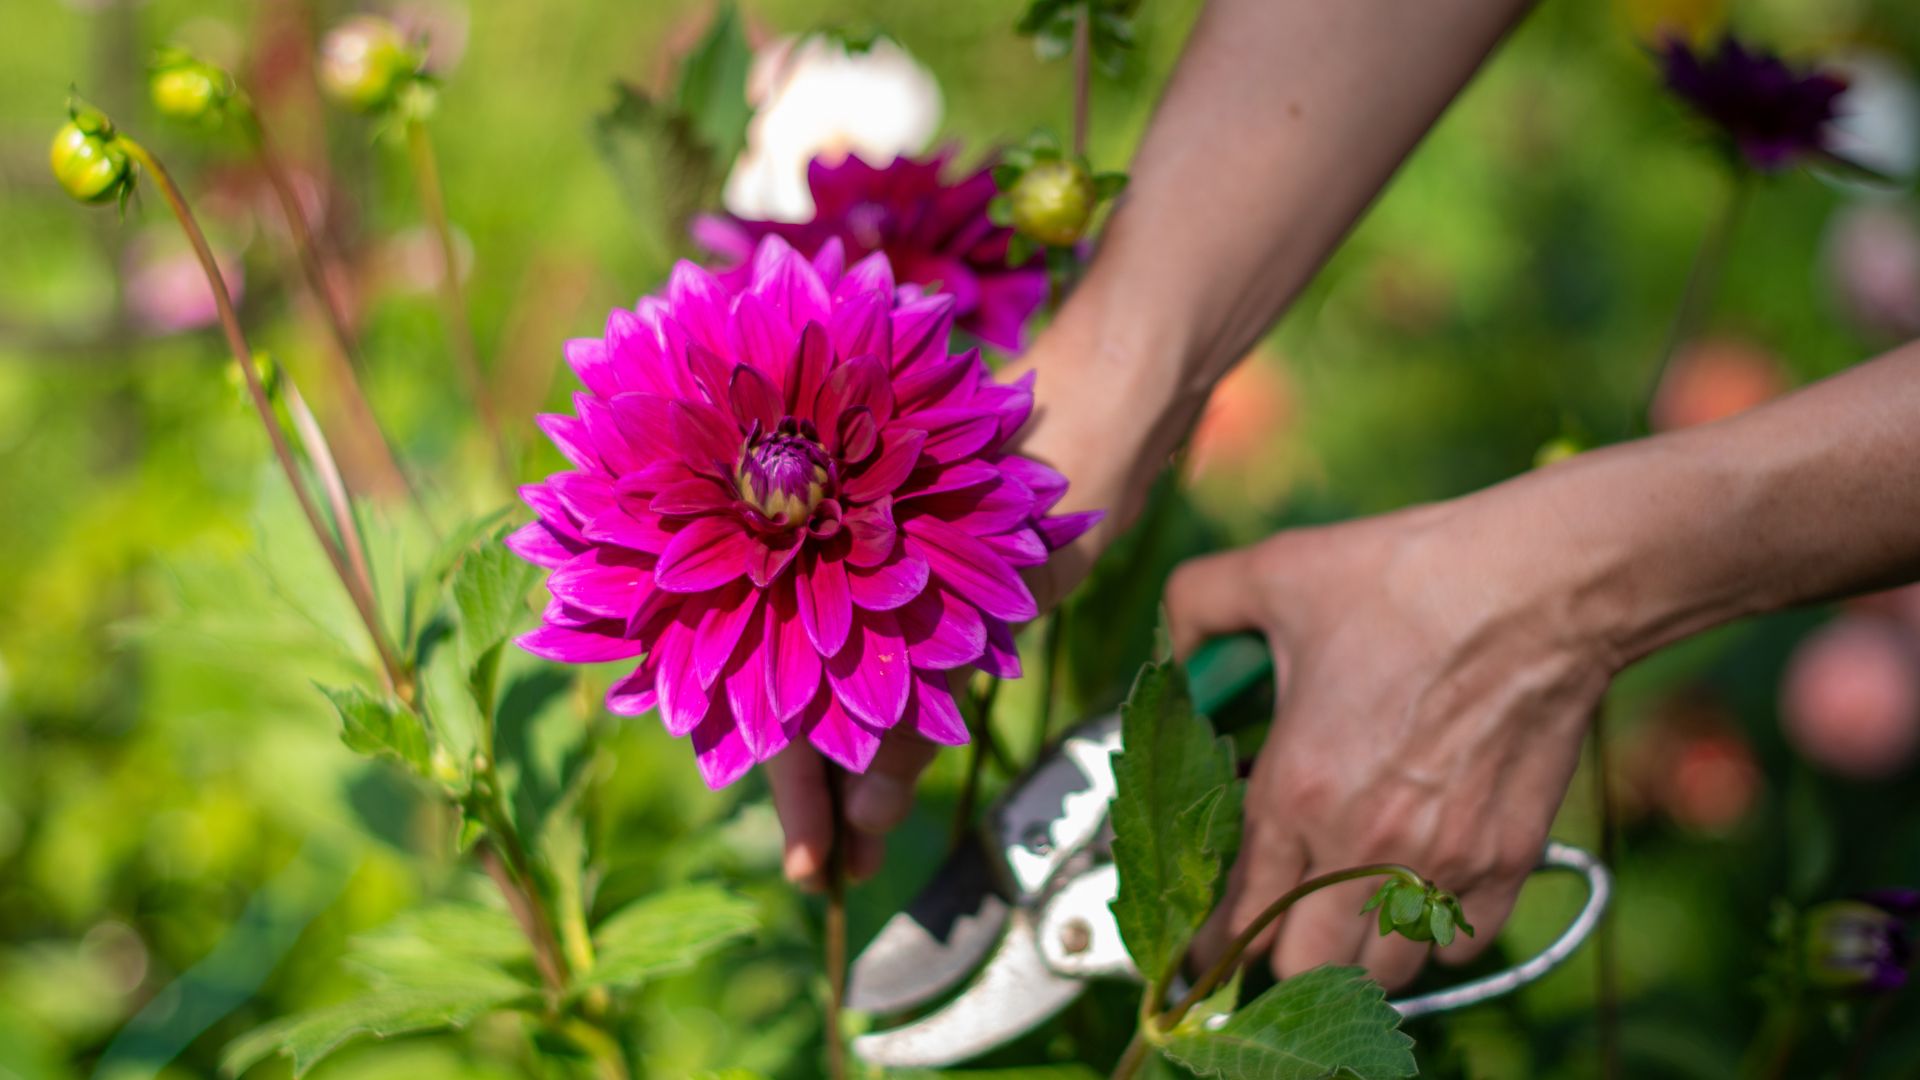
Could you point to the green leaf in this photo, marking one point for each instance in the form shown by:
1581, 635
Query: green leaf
712, 93
490, 593
1176, 819
1108, 184
1321, 1023
309, 1037
378, 728
665, 933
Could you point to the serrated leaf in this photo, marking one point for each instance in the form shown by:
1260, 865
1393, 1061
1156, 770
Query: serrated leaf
712, 92
1325, 1022
309, 1037
666, 932
490, 594
378, 728
1021, 1072
1176, 821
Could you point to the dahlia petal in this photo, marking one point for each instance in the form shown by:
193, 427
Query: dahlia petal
569, 436
812, 355
683, 701
1062, 529
546, 505
605, 581
921, 329
940, 479
942, 631
981, 509
871, 275
763, 337
609, 437
592, 364
871, 532
789, 283
830, 262
618, 527
706, 440
826, 605
859, 382
770, 556
871, 676
899, 579
584, 495
793, 664
699, 304
725, 615
720, 750
755, 397
1012, 403
1046, 483
969, 568
1007, 302
634, 356
691, 497
938, 383
856, 436
956, 434
933, 713
712, 374
842, 737
538, 543
900, 452
646, 482
596, 643
747, 698
861, 326
633, 694
1020, 547
723, 236
643, 419
708, 553
1002, 657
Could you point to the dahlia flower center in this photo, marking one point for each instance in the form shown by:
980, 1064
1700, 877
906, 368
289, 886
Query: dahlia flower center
784, 473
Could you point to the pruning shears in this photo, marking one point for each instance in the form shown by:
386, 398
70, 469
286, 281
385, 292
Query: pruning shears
1022, 904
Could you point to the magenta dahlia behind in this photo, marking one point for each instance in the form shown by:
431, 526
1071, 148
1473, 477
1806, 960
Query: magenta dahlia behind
934, 232
794, 506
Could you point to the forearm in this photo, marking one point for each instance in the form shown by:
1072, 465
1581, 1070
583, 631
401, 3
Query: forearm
1283, 121
1812, 496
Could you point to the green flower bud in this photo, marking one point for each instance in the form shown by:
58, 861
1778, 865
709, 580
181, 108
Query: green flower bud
366, 62
1556, 450
87, 161
185, 88
1418, 911
1053, 201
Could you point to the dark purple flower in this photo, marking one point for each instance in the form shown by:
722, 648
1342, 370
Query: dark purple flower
1864, 944
933, 232
1774, 115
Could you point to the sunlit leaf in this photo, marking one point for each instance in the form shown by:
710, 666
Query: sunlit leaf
1176, 819
1326, 1022
712, 92
665, 933
378, 728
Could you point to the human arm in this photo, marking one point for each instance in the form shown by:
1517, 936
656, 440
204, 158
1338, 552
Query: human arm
1439, 665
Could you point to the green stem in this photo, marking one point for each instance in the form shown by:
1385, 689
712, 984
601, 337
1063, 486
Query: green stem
1049, 678
426, 174
1082, 77
1703, 282
1606, 968
836, 929
360, 593
609, 1058
982, 712
507, 861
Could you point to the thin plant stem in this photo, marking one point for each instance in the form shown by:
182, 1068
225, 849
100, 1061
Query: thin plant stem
355, 410
1082, 77
518, 882
314, 441
1606, 966
609, 1057
1703, 283
976, 757
836, 929
363, 602
426, 174
526, 912
1221, 969
1049, 677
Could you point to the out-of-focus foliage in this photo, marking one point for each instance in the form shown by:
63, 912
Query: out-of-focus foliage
188, 850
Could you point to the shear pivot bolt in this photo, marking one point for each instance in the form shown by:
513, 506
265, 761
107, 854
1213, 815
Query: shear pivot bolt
1075, 936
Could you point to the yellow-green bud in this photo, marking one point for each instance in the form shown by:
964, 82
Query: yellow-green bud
88, 163
366, 62
184, 88
1556, 450
1052, 202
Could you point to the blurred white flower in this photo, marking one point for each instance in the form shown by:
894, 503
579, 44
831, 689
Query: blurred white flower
812, 98
1872, 257
1878, 118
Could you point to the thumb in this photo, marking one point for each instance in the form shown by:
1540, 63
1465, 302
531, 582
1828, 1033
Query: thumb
1216, 595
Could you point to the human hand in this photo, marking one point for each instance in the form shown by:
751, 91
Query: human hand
1434, 686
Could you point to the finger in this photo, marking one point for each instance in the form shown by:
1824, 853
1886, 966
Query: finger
1325, 927
1487, 909
880, 798
1271, 862
1392, 959
865, 853
798, 777
1212, 596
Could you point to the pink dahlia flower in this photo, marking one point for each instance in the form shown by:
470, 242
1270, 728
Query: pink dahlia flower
794, 506
932, 231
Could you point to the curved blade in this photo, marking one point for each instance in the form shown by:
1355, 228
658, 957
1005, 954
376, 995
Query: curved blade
937, 941
1014, 994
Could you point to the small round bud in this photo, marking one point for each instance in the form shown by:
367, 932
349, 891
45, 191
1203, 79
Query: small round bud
1053, 202
184, 88
88, 163
366, 62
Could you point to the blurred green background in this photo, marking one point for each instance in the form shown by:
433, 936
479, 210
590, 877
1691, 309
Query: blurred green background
185, 844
